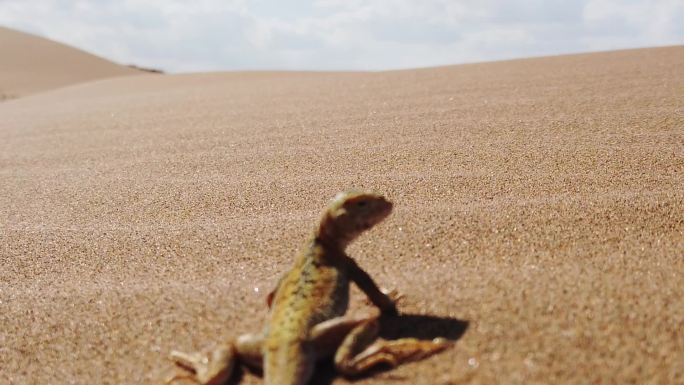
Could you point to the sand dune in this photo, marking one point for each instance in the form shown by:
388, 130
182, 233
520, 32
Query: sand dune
540, 200
30, 64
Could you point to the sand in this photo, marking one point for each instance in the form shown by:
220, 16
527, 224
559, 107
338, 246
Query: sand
31, 64
539, 215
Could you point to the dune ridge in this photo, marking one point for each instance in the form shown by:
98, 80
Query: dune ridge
32, 64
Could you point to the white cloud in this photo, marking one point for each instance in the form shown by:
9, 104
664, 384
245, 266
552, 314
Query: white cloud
207, 35
634, 23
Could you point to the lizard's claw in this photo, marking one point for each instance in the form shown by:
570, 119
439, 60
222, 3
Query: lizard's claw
389, 306
393, 294
181, 377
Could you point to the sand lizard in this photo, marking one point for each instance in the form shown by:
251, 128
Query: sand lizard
307, 308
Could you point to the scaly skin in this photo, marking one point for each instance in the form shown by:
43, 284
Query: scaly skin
307, 321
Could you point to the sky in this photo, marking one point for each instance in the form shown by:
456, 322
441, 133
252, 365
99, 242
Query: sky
213, 35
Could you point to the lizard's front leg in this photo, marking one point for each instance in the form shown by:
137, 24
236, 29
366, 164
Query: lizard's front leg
217, 367
384, 300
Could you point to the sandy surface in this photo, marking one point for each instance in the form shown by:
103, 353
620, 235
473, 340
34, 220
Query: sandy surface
541, 201
31, 64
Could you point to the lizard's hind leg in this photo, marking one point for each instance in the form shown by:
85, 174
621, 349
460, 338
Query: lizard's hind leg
360, 351
215, 369
249, 350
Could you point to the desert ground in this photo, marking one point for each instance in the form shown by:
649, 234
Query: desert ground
538, 222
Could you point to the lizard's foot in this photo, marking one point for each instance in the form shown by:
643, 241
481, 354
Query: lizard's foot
392, 298
205, 370
358, 353
393, 294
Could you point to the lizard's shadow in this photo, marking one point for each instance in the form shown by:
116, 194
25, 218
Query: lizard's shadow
423, 327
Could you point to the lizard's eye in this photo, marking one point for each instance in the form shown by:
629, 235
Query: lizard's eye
361, 203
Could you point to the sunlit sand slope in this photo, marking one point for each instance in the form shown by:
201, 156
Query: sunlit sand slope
541, 201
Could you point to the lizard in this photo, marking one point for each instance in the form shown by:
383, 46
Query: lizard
307, 319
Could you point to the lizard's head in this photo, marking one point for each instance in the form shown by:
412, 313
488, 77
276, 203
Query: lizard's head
351, 213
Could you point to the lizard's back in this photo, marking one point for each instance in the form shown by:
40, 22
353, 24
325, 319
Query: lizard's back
315, 290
